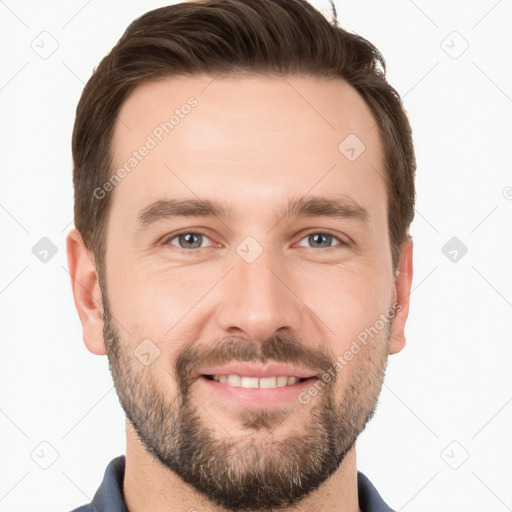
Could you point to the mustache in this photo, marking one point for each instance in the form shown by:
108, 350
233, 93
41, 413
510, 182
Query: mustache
279, 348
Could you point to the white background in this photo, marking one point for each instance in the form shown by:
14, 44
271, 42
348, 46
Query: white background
447, 395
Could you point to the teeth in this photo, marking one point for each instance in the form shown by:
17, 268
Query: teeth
268, 382
234, 380
255, 382
249, 382
282, 381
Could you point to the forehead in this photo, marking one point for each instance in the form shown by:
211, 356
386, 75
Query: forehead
252, 142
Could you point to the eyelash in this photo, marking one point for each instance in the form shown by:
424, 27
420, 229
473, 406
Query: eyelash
342, 243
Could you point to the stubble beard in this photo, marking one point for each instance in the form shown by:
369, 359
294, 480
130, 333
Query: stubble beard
266, 469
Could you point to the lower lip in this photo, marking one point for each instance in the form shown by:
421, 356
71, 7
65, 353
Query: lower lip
258, 397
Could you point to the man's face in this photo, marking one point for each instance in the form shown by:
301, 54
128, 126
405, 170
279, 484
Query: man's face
259, 283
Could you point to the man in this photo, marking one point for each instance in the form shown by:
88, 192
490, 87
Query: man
244, 187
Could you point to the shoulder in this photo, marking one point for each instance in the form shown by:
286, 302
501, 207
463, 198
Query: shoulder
109, 496
369, 498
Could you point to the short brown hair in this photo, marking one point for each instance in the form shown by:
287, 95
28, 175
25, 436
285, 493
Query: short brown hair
234, 37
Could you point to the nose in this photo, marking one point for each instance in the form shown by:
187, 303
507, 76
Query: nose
258, 298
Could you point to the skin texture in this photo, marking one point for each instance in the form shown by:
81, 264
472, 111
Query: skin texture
251, 143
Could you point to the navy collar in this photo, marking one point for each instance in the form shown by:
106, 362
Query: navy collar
109, 496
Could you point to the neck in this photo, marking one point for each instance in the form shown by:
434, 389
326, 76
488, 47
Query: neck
148, 485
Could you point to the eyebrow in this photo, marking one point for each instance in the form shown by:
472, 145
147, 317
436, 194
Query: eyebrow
341, 207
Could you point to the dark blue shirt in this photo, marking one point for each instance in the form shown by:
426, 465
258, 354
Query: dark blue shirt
109, 496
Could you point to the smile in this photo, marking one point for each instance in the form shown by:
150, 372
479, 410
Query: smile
255, 382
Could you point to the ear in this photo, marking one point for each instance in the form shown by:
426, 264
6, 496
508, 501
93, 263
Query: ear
86, 292
401, 293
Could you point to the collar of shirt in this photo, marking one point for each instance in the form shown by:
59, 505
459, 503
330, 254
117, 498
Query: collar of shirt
109, 496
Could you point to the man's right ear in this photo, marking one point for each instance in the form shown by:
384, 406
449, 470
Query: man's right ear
86, 292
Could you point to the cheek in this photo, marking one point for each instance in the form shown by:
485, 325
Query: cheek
159, 304
345, 302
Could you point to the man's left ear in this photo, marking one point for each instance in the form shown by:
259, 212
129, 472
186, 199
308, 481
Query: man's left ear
401, 293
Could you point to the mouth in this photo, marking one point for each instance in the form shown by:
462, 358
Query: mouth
254, 382
255, 386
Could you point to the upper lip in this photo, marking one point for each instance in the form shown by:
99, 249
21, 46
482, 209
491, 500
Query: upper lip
259, 370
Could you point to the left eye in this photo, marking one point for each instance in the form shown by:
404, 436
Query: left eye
319, 240
191, 240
